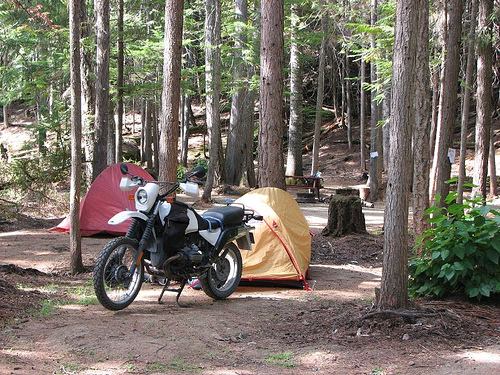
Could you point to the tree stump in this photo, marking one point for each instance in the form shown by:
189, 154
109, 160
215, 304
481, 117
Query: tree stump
345, 216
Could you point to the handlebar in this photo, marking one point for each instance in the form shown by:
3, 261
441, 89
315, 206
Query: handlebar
170, 191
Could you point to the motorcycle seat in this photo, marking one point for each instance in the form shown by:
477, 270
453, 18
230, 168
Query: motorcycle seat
224, 216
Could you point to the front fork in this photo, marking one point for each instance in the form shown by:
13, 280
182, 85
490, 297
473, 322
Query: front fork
146, 238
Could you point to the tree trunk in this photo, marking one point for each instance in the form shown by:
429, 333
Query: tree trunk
169, 119
421, 152
348, 100
345, 216
492, 165
6, 115
386, 129
213, 86
186, 118
102, 88
320, 92
434, 109
143, 130
148, 135
252, 97
119, 88
88, 93
394, 285
156, 139
441, 165
362, 116
236, 140
271, 168
469, 76
133, 116
76, 264
110, 153
374, 174
294, 155
483, 98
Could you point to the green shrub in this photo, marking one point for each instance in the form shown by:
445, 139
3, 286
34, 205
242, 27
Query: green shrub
181, 172
460, 251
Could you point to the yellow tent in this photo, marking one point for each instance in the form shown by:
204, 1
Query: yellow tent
282, 249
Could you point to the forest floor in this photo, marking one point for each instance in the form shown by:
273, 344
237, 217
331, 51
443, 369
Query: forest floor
51, 322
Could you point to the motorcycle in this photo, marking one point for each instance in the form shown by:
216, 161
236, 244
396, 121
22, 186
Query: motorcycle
170, 241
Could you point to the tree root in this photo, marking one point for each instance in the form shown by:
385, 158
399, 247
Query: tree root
407, 315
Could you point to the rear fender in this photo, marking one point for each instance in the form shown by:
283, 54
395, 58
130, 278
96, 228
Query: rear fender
241, 235
125, 215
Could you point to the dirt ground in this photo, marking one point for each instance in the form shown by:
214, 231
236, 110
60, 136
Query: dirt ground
256, 331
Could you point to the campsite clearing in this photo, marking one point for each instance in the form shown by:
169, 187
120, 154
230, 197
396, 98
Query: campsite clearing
257, 331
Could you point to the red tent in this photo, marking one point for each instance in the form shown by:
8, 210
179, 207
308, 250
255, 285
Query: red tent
103, 200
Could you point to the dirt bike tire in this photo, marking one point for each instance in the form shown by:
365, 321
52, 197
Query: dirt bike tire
99, 269
211, 290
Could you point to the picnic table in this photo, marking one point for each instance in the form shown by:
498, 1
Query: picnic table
312, 183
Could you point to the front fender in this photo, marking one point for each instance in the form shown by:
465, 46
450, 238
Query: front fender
125, 215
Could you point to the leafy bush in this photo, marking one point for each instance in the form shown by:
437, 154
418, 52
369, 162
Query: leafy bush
202, 162
461, 251
181, 172
37, 173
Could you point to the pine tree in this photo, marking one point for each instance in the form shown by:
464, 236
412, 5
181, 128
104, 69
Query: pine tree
271, 169
170, 99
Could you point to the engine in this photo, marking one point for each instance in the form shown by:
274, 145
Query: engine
186, 261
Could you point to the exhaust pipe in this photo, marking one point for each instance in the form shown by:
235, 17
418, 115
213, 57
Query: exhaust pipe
167, 263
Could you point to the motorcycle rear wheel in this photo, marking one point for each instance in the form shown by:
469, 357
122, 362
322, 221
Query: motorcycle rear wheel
224, 276
114, 287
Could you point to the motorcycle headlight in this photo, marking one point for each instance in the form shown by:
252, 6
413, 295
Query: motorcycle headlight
142, 196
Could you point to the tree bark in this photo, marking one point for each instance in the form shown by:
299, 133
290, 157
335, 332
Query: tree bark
6, 115
421, 152
441, 165
213, 86
119, 88
76, 264
374, 173
88, 93
238, 127
155, 138
294, 155
394, 289
362, 116
253, 70
483, 97
186, 104
492, 165
110, 153
102, 88
348, 100
469, 76
271, 168
143, 130
386, 129
345, 216
148, 135
169, 119
320, 92
434, 109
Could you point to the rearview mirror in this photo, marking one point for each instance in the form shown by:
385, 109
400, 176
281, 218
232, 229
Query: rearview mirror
190, 189
124, 168
126, 184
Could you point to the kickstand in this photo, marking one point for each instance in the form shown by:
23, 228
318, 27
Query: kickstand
165, 288
176, 290
179, 294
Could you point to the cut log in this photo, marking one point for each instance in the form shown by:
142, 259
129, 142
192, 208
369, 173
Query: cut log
345, 216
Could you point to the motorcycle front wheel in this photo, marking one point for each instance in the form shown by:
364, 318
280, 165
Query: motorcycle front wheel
224, 276
114, 285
